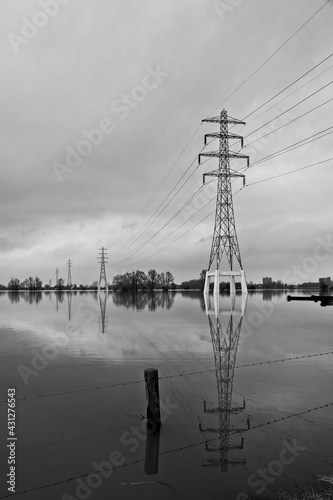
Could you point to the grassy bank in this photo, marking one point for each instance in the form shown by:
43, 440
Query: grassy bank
325, 492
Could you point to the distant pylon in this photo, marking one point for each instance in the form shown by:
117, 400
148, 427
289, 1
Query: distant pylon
224, 236
102, 258
69, 277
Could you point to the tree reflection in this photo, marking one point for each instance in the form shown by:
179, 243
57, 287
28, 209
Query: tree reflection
14, 297
29, 297
33, 297
225, 327
141, 300
196, 295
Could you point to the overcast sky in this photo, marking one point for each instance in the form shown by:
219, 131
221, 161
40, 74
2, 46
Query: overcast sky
145, 74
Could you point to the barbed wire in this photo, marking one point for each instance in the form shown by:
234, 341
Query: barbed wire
167, 452
164, 377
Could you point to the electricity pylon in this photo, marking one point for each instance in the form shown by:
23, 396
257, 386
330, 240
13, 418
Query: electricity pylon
224, 236
102, 258
69, 277
225, 344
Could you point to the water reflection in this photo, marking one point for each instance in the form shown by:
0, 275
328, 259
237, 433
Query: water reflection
28, 296
103, 320
69, 305
195, 295
225, 322
268, 294
141, 300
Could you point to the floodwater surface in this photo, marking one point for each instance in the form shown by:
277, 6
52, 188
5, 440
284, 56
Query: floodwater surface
245, 391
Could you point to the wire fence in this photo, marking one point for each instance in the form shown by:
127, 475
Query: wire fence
165, 377
168, 452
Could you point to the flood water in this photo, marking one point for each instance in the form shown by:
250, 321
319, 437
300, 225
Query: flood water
241, 417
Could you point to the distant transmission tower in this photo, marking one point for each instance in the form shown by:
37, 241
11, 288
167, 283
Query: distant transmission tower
102, 258
69, 277
225, 236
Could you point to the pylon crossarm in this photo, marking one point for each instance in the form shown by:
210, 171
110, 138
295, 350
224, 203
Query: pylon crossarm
213, 173
209, 153
219, 154
233, 173
218, 135
218, 119
233, 154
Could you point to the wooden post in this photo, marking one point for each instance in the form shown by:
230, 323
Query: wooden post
152, 394
153, 421
152, 447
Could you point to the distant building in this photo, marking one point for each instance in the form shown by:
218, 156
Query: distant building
309, 284
325, 282
267, 282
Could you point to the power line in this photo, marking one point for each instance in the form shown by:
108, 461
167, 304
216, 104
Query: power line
291, 121
135, 237
288, 86
173, 166
293, 146
175, 230
289, 109
158, 215
259, 161
271, 56
137, 250
275, 154
143, 228
193, 227
230, 95
289, 148
290, 172
186, 232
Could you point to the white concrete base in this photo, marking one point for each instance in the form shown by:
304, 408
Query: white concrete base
214, 307
231, 274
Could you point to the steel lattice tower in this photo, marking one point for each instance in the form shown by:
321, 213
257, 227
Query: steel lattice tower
102, 258
224, 237
69, 277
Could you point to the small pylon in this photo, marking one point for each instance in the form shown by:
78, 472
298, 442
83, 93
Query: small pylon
102, 258
225, 236
69, 277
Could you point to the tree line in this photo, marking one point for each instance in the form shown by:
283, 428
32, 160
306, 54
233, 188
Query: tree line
139, 280
136, 280
133, 281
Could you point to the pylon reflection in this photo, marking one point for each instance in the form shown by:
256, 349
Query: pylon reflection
103, 320
225, 324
